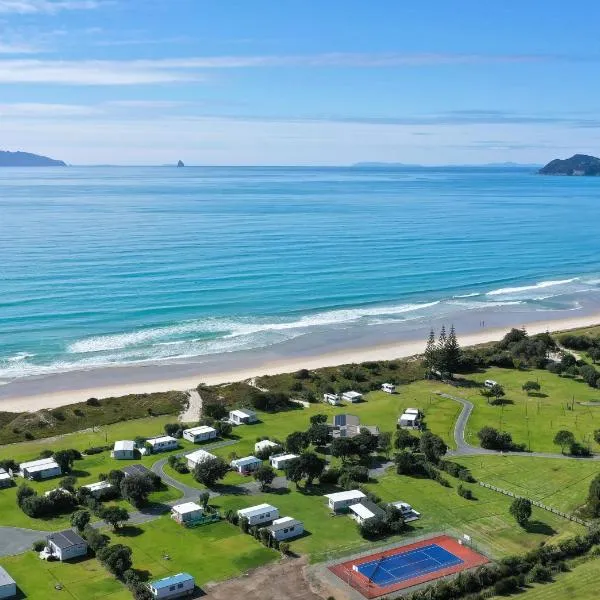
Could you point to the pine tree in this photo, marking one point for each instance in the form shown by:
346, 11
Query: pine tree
452, 352
441, 361
430, 356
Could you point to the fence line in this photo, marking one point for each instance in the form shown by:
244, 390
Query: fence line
536, 503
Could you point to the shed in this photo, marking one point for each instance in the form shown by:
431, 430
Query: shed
5, 479
388, 388
188, 512
66, 545
365, 510
175, 586
199, 434
195, 458
264, 444
342, 500
409, 421
261, 513
40, 469
286, 528
136, 470
242, 416
163, 443
246, 465
123, 450
8, 586
352, 396
280, 461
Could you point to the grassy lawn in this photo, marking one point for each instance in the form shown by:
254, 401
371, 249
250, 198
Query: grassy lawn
534, 421
210, 553
581, 583
84, 580
562, 484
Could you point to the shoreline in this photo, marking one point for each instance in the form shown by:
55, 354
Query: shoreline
53, 399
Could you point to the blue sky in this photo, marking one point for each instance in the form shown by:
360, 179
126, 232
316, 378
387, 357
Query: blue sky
299, 82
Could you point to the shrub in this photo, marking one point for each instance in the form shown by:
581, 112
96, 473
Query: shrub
506, 586
39, 545
92, 402
541, 574
464, 492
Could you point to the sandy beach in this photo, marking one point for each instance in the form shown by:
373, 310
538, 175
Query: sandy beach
53, 399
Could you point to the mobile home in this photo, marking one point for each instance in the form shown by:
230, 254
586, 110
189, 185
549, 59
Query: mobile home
195, 458
286, 528
40, 469
340, 501
246, 465
123, 450
280, 461
66, 545
175, 586
259, 514
199, 434
163, 443
352, 396
242, 416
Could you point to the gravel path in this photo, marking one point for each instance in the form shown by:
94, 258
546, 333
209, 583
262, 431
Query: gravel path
15, 540
193, 412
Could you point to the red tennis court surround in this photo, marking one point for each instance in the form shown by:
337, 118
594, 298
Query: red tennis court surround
404, 566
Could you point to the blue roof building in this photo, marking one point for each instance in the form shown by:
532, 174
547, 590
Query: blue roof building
175, 586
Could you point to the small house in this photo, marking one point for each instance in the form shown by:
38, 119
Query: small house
187, 513
195, 458
280, 461
286, 528
40, 469
175, 586
5, 480
136, 470
408, 512
264, 445
490, 383
408, 421
242, 416
352, 397
8, 586
365, 510
164, 443
199, 434
97, 489
246, 465
123, 450
388, 388
332, 399
259, 514
340, 501
66, 545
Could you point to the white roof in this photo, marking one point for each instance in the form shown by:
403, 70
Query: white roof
186, 507
4, 474
411, 411
242, 412
161, 439
39, 465
348, 495
265, 444
247, 460
279, 457
200, 429
125, 445
283, 523
254, 510
199, 456
94, 487
361, 510
59, 490
409, 417
352, 394
401, 505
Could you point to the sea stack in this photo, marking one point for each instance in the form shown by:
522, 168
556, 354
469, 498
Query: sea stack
180, 164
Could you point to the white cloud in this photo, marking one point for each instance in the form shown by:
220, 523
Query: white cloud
39, 110
28, 7
17, 48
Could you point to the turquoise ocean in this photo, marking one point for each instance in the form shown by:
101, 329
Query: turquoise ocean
131, 266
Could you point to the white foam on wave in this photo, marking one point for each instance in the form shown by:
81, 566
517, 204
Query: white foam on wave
471, 295
527, 288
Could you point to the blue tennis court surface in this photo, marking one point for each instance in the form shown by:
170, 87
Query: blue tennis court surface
388, 570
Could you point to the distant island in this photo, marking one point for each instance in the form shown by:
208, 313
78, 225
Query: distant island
25, 159
578, 164
180, 164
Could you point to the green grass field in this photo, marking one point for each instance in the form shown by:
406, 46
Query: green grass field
83, 580
559, 483
531, 420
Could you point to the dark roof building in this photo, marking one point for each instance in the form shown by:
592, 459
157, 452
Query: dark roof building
135, 470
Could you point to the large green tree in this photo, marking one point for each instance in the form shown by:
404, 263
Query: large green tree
264, 475
520, 509
432, 446
211, 470
564, 439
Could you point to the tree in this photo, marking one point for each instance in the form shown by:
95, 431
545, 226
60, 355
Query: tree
65, 460
296, 442
116, 558
430, 355
173, 429
115, 516
564, 439
80, 519
404, 439
486, 393
384, 443
318, 418
95, 539
223, 429
209, 471
318, 434
593, 499
203, 498
597, 436
432, 446
452, 352
520, 509
590, 375
441, 350
497, 391
264, 475
343, 448
531, 386
594, 354
136, 489
68, 483
115, 477
294, 471
312, 466
365, 443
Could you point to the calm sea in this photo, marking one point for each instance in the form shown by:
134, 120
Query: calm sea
110, 266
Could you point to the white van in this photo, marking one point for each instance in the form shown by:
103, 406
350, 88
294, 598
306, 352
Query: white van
490, 383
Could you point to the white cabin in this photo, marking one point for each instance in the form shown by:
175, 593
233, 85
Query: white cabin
195, 458
189, 512
352, 396
5, 480
66, 545
388, 388
123, 450
409, 421
246, 465
40, 469
163, 443
261, 513
175, 586
264, 444
96, 489
286, 528
202, 433
280, 461
342, 500
242, 416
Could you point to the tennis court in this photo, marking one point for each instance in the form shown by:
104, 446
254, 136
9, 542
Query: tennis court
407, 565
388, 570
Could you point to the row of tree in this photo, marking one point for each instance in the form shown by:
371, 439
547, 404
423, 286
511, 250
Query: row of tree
444, 355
